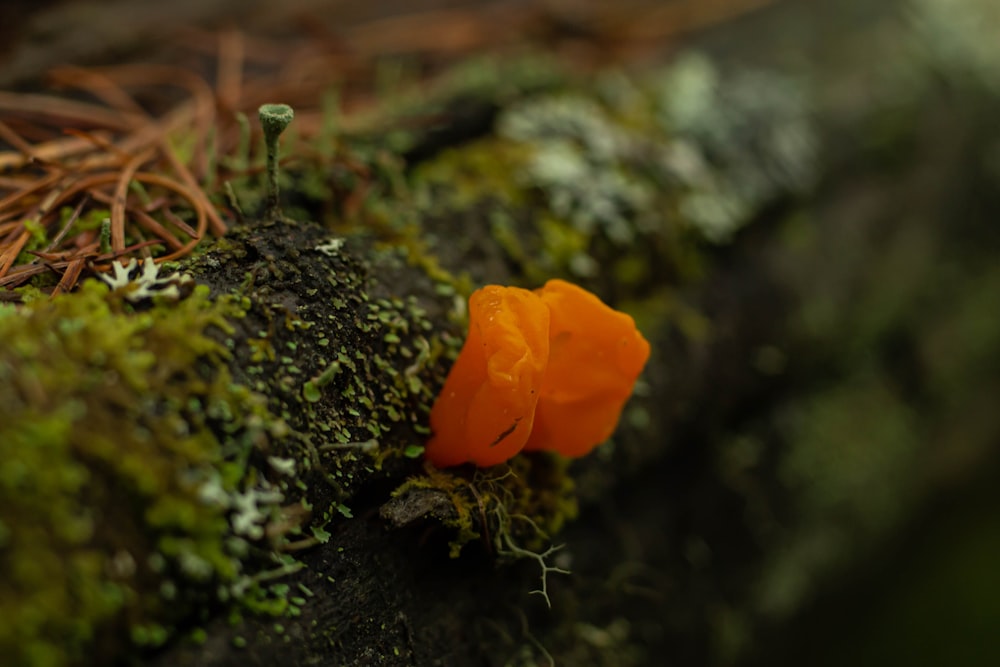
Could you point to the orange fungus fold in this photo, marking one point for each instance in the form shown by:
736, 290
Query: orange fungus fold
595, 357
549, 369
486, 409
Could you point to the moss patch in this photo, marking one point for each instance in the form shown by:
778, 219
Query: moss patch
112, 423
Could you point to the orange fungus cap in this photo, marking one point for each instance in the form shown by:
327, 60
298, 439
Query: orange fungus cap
549, 369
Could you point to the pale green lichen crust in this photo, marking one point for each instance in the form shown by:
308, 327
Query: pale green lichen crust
578, 184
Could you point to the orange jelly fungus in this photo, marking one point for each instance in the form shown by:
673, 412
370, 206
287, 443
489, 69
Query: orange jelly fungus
549, 369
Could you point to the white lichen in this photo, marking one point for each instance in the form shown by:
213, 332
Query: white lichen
282, 466
582, 163
251, 509
212, 493
194, 566
739, 140
331, 247
136, 285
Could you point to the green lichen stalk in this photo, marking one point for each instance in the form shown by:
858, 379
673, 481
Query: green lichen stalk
274, 118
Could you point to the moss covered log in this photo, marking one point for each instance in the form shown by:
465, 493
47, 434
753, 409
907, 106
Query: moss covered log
220, 461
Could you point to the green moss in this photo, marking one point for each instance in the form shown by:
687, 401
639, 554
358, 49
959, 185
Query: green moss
849, 449
959, 350
483, 168
950, 35
112, 423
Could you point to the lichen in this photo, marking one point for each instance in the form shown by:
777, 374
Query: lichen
658, 163
741, 139
343, 360
136, 286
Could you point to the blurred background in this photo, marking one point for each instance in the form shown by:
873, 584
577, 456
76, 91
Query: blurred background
868, 468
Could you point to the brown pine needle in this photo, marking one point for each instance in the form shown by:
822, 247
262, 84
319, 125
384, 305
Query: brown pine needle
63, 112
15, 140
69, 276
121, 196
11, 251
